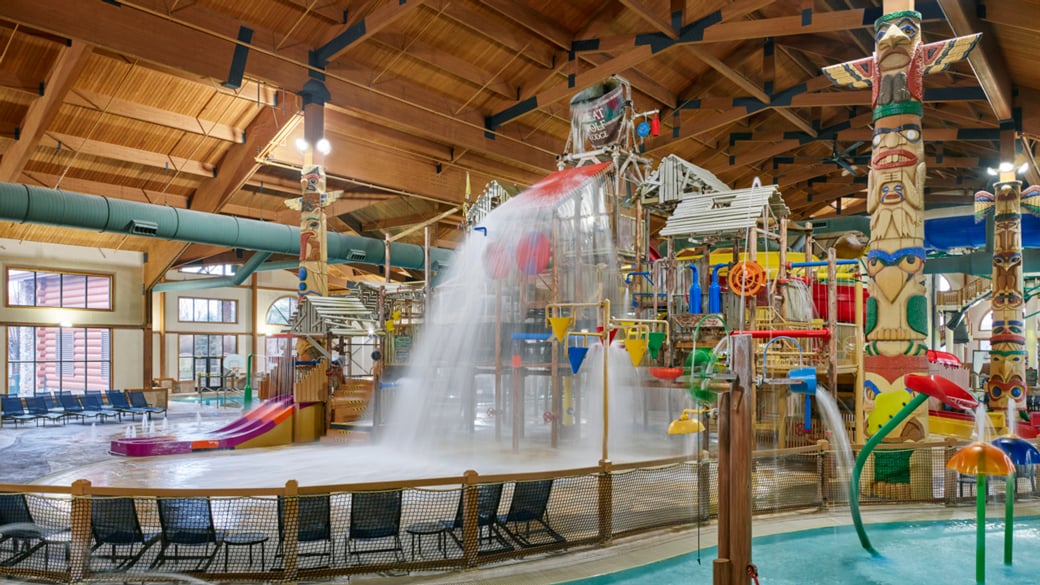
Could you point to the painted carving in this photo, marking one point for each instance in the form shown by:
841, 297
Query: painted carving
1007, 371
313, 272
896, 324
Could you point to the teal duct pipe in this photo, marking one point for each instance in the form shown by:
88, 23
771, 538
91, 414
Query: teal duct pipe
240, 276
38, 205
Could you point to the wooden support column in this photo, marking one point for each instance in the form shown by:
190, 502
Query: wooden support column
147, 352
736, 437
832, 320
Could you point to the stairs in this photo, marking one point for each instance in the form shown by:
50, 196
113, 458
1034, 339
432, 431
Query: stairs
350, 400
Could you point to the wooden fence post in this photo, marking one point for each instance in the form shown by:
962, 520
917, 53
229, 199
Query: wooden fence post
79, 521
291, 527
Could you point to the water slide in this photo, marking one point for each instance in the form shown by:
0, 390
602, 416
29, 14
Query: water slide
268, 424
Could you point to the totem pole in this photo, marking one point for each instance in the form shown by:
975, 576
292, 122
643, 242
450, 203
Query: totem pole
897, 313
1007, 379
314, 268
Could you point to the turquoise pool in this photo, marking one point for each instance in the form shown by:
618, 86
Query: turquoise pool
914, 553
230, 399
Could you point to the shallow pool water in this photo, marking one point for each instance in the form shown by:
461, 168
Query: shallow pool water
912, 553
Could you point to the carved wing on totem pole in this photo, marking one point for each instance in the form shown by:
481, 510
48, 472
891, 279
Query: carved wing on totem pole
985, 202
940, 55
852, 74
1030, 200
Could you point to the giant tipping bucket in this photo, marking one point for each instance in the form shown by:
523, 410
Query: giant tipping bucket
597, 113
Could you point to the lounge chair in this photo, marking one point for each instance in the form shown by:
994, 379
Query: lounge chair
530, 499
101, 399
92, 404
137, 400
488, 498
187, 522
12, 409
18, 527
119, 402
114, 523
375, 516
38, 407
314, 525
72, 407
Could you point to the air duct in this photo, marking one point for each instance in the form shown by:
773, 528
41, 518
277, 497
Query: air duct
38, 205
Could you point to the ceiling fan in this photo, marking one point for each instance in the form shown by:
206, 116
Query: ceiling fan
846, 159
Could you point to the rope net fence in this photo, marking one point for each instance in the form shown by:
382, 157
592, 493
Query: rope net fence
103, 534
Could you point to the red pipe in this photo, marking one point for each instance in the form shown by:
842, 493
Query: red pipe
771, 333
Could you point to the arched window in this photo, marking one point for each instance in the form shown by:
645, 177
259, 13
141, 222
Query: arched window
942, 283
986, 324
280, 311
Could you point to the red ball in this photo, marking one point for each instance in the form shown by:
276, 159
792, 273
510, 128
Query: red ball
533, 253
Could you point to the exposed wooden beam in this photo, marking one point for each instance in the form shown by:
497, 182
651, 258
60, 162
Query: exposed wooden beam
460, 68
392, 223
987, 59
157, 160
200, 46
531, 19
660, 23
103, 189
338, 44
238, 165
67, 68
503, 35
135, 111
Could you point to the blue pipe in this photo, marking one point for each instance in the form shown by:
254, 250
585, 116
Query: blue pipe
481, 229
715, 290
646, 275
240, 276
696, 300
820, 263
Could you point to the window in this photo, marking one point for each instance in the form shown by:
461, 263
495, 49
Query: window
32, 288
207, 310
213, 269
987, 322
58, 359
281, 310
202, 356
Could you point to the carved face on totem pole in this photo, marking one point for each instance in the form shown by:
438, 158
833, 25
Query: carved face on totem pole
1007, 363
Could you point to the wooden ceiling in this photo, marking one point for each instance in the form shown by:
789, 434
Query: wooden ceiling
127, 99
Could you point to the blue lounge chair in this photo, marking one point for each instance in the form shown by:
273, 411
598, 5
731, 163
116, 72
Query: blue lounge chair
92, 404
70, 404
119, 402
38, 407
12, 409
137, 400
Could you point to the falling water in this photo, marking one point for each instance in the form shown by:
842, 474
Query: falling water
550, 244
838, 437
984, 430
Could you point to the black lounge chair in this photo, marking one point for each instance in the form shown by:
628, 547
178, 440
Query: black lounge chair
375, 516
92, 404
18, 527
314, 525
38, 408
12, 409
114, 523
530, 500
187, 522
488, 498
137, 400
119, 402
